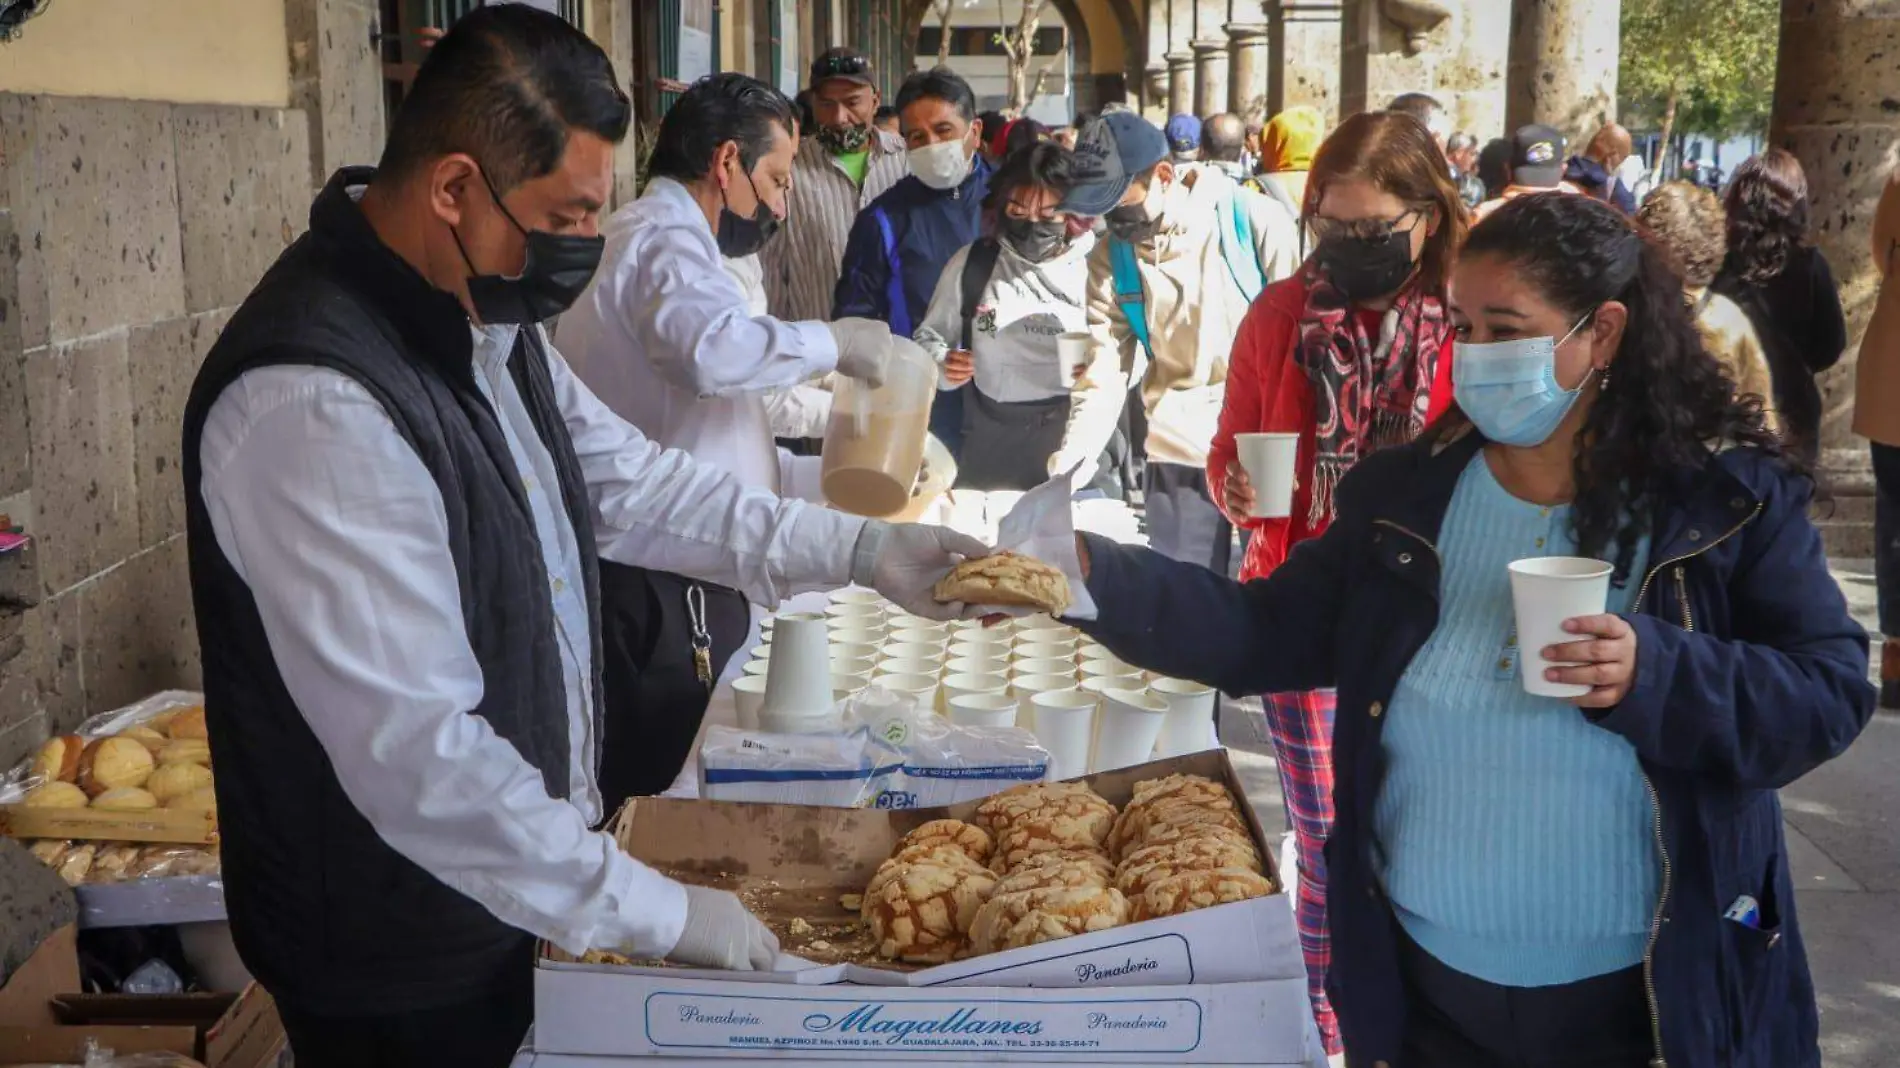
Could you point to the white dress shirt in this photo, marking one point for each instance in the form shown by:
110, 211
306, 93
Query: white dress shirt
329, 516
664, 336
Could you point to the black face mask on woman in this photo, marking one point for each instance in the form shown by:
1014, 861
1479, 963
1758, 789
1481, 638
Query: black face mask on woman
1366, 268
740, 236
1035, 240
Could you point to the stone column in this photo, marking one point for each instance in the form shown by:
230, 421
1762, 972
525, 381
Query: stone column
1180, 82
1154, 95
1562, 67
1210, 76
1303, 56
1247, 78
1834, 110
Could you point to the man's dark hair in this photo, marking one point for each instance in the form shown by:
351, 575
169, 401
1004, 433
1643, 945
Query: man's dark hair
885, 113
1460, 142
717, 109
506, 85
1421, 106
1223, 138
939, 83
1023, 133
993, 123
1044, 163
1494, 167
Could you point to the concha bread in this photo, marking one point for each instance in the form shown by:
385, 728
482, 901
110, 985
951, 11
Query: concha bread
1192, 890
1148, 866
1094, 859
1059, 826
125, 799
921, 912
968, 837
1163, 819
1172, 833
1032, 917
999, 812
1074, 875
55, 795
58, 759
938, 853
112, 764
1009, 580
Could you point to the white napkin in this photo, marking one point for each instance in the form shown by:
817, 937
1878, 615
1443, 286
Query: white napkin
1041, 526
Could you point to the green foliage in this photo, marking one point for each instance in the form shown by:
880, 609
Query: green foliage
1716, 58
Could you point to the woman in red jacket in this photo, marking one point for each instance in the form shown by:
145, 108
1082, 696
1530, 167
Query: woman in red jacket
1352, 353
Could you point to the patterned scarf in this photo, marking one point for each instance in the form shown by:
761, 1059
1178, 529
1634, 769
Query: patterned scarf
1368, 392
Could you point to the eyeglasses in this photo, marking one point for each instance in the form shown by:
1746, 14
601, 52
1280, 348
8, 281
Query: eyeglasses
1323, 228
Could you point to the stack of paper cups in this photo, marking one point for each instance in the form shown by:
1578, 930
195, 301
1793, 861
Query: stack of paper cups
1026, 687
1268, 460
798, 691
1547, 590
1189, 727
1064, 724
748, 693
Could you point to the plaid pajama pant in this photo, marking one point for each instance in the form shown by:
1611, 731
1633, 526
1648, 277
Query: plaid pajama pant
1301, 728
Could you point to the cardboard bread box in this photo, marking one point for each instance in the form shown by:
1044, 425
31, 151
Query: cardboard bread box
1232, 974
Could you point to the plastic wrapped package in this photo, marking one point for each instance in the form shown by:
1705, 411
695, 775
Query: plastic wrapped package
144, 721
97, 1055
891, 754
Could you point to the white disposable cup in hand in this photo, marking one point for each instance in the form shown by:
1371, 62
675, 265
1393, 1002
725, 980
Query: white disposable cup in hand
1268, 460
1072, 351
748, 694
1064, 724
983, 710
1131, 721
1189, 727
1546, 591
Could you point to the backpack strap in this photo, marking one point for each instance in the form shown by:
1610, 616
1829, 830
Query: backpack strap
899, 311
1237, 246
1128, 293
977, 268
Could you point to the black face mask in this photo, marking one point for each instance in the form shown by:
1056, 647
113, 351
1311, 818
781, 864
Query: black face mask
740, 236
553, 275
1035, 240
1131, 223
1366, 268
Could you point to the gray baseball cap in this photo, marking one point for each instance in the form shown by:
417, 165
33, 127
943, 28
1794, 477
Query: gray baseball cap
1109, 152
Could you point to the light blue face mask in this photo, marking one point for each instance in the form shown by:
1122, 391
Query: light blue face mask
1509, 390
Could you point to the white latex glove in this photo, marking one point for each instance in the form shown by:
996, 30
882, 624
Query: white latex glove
720, 933
903, 561
864, 349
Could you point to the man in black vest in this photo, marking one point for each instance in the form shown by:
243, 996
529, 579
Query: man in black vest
395, 491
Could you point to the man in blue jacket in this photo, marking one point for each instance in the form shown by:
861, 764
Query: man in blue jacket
899, 244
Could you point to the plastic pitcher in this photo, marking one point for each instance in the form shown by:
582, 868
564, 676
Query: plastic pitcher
874, 444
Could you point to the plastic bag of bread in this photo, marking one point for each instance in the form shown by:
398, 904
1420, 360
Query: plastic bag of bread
65, 757
113, 863
76, 863
171, 861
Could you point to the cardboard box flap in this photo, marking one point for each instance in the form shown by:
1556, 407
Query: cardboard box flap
197, 1010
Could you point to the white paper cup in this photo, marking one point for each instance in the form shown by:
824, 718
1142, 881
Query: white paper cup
1043, 651
982, 710
856, 650
1025, 668
913, 651
994, 646
1072, 351
902, 629
748, 694
1100, 685
1131, 721
1189, 727
850, 682
758, 665
1039, 621
903, 665
853, 665
1268, 460
1026, 687
919, 688
965, 685
856, 595
799, 682
1105, 667
870, 613
1547, 590
1046, 636
856, 633
1064, 723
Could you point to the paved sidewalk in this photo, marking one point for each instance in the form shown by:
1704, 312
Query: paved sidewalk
1843, 825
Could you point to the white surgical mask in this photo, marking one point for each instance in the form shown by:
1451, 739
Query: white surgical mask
943, 165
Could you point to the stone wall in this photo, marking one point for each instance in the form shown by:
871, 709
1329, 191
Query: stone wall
1461, 60
128, 232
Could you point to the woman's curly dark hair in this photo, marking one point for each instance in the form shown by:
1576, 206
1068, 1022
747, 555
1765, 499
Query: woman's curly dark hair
1767, 215
1665, 403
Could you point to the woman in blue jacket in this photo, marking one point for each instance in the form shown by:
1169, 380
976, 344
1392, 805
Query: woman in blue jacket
1524, 881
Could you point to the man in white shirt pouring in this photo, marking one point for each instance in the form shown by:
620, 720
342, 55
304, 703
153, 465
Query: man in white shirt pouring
395, 490
665, 338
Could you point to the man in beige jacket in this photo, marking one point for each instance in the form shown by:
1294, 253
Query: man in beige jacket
1186, 251
1877, 418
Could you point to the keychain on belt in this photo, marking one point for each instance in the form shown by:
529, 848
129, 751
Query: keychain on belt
702, 639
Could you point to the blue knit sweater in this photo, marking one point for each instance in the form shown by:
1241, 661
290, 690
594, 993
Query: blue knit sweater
1516, 838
